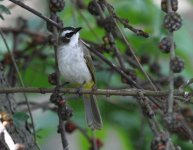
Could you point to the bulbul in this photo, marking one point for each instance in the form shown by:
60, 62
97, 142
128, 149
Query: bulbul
76, 67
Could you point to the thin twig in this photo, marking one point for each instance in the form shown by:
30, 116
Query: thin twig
11, 6
61, 121
126, 24
116, 51
76, 8
23, 31
149, 114
88, 25
111, 39
21, 4
61, 125
94, 140
62, 130
120, 71
172, 55
109, 8
11, 74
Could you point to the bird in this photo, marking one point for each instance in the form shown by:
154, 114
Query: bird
76, 67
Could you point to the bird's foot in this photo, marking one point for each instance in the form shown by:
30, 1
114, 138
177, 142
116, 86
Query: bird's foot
58, 87
79, 89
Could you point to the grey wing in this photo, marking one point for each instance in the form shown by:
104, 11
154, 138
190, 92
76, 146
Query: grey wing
88, 60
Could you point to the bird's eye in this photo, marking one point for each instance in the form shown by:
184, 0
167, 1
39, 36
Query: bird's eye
66, 38
69, 35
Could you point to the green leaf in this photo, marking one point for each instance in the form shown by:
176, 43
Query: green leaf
43, 133
4, 9
20, 116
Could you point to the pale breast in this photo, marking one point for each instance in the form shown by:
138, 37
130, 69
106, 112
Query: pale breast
72, 65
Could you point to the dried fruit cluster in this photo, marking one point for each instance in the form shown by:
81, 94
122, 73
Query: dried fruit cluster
55, 6
160, 141
176, 123
172, 22
173, 121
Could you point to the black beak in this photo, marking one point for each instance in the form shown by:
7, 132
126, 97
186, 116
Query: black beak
77, 29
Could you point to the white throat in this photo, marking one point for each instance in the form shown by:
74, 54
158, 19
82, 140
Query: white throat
74, 39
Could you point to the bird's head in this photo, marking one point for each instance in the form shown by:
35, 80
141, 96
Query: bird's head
70, 35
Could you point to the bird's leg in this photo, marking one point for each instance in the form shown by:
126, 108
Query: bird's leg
94, 88
79, 89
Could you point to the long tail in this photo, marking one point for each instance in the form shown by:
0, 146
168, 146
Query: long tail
93, 116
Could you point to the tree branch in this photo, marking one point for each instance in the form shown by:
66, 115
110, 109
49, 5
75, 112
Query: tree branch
106, 92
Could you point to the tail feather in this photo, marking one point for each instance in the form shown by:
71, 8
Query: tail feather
93, 116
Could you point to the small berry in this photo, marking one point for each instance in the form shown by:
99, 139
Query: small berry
176, 64
188, 115
109, 24
7, 59
98, 142
93, 8
178, 81
55, 98
176, 123
155, 68
80, 4
55, 18
165, 45
160, 141
144, 59
164, 5
128, 53
132, 74
174, 5
52, 78
70, 127
172, 21
56, 5
66, 113
147, 111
